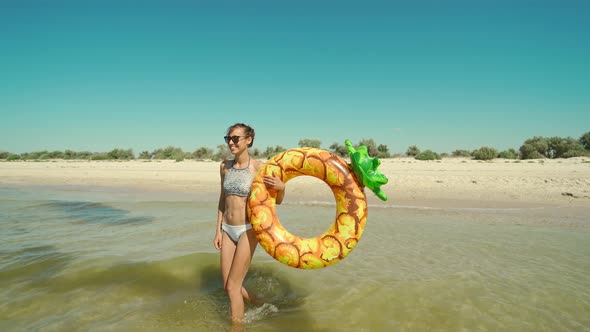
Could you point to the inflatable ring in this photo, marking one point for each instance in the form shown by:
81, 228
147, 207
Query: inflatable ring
351, 209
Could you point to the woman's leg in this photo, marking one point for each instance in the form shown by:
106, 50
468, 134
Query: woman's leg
228, 250
237, 272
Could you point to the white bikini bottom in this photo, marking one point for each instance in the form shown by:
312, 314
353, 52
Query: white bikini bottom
235, 231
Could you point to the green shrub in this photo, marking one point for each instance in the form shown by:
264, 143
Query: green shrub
13, 156
382, 151
534, 148
312, 143
371, 147
85, 155
575, 153
169, 152
374, 150
69, 154
4, 154
203, 153
485, 153
508, 154
145, 155
554, 147
56, 155
412, 151
339, 149
120, 154
585, 141
99, 156
427, 155
528, 151
271, 152
461, 153
223, 153
28, 156
255, 153
568, 147
35, 155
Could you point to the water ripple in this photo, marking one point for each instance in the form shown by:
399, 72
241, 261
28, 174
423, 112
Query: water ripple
91, 212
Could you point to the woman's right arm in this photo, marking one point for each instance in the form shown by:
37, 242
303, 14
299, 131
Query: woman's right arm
220, 210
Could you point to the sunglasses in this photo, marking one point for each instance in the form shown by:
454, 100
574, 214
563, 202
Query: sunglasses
234, 139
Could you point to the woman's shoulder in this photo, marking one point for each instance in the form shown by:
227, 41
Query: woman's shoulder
257, 164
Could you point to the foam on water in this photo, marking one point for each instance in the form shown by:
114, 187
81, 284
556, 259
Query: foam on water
259, 313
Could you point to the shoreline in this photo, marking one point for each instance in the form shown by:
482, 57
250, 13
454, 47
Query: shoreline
447, 183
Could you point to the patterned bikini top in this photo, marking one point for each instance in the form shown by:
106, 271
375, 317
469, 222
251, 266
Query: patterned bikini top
238, 181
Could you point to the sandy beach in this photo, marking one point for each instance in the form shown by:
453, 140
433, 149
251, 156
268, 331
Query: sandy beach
451, 182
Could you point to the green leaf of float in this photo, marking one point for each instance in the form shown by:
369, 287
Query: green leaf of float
365, 169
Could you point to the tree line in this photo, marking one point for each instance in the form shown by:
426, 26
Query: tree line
537, 147
532, 148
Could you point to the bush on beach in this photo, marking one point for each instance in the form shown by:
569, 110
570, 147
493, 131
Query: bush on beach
120, 154
428, 155
540, 147
202, 153
585, 141
70, 155
272, 151
12, 157
412, 151
537, 147
508, 154
374, 150
312, 143
145, 155
485, 153
169, 153
461, 153
100, 156
339, 149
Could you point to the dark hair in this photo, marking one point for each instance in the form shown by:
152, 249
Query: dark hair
249, 131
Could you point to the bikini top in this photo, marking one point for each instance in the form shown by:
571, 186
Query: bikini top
238, 181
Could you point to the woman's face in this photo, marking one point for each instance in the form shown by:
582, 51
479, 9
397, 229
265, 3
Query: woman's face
237, 141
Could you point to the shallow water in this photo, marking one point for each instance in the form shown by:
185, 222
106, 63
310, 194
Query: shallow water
82, 258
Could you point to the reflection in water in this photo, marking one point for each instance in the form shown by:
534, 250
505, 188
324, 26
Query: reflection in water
93, 213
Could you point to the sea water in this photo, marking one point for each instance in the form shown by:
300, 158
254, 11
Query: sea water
90, 258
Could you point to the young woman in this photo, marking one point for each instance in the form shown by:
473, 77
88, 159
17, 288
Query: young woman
234, 235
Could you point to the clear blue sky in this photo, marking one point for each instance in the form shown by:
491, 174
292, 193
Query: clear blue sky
443, 75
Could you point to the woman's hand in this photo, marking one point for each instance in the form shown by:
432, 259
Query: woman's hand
273, 182
217, 240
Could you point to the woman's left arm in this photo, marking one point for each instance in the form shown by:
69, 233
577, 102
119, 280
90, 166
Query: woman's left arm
281, 194
274, 182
